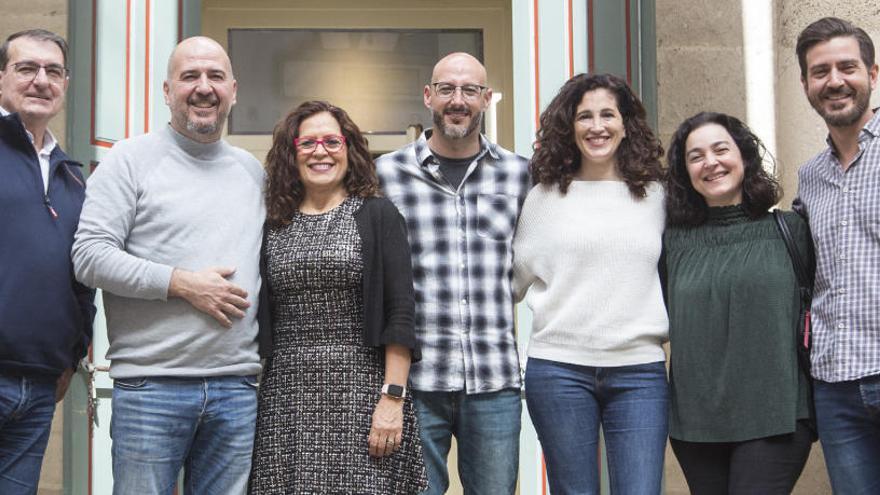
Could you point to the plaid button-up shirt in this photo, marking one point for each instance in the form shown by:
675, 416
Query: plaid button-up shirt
461, 243
843, 209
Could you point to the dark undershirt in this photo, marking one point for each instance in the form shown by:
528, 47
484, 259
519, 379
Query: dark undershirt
454, 169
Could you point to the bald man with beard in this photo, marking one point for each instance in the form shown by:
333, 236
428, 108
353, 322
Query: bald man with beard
171, 231
461, 196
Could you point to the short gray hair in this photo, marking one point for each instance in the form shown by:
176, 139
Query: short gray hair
34, 34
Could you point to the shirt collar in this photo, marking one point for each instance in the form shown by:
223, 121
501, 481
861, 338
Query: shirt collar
49, 141
424, 153
873, 125
871, 129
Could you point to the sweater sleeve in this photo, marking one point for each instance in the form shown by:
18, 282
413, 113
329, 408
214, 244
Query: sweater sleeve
399, 297
523, 274
264, 310
108, 215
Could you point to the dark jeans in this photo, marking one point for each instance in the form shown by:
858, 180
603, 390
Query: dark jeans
486, 427
26, 408
568, 403
769, 465
848, 415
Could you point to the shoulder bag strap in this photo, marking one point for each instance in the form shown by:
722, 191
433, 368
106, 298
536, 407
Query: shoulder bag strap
796, 260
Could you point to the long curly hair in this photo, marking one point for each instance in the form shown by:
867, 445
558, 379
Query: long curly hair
557, 158
760, 190
284, 188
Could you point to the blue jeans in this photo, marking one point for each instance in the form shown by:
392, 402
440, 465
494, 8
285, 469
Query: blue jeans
27, 405
567, 404
486, 427
205, 425
848, 416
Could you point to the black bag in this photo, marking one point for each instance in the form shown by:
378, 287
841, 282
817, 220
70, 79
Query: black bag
804, 334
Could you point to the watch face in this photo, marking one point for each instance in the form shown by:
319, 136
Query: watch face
395, 391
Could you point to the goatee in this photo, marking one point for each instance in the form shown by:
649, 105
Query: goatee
456, 131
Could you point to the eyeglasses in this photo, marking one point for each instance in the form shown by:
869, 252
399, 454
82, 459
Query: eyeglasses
27, 71
468, 91
309, 144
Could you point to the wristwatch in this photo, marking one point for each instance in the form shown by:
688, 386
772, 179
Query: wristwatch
394, 391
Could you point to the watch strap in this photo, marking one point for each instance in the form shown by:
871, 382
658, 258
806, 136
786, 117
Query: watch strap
395, 391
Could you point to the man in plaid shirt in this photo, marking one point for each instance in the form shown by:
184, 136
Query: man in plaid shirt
461, 196
839, 191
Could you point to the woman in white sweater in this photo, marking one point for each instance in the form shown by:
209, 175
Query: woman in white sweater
585, 258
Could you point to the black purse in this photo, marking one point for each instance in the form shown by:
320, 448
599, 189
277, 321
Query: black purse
804, 333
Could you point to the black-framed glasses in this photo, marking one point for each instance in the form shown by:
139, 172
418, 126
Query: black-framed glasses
27, 71
308, 144
468, 91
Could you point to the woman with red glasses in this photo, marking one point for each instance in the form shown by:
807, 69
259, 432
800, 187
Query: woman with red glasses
334, 413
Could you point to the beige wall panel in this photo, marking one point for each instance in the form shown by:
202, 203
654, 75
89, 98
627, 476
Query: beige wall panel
699, 61
696, 78
814, 479
698, 23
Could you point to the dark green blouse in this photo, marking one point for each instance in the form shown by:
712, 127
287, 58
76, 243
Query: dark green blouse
733, 309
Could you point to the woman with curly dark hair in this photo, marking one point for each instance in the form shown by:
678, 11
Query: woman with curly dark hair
739, 401
585, 258
334, 413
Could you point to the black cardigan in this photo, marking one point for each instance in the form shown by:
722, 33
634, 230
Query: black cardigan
389, 301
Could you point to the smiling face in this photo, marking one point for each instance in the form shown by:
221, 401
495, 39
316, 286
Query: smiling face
321, 170
200, 89
715, 165
457, 117
37, 100
598, 127
837, 82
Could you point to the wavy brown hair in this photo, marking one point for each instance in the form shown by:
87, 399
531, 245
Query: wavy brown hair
557, 158
284, 188
760, 190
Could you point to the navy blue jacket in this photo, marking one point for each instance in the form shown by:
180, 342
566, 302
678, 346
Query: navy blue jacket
45, 314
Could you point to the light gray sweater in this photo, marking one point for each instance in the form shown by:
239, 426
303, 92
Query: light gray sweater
586, 263
158, 202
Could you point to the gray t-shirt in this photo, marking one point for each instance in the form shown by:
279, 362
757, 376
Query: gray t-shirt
454, 169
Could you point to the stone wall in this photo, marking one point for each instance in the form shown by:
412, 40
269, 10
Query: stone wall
699, 60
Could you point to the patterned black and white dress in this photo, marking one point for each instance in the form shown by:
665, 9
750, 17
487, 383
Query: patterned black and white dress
321, 386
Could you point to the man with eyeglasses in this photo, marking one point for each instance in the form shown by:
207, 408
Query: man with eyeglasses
171, 232
45, 315
461, 196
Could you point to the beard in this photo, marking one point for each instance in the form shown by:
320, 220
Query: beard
842, 118
204, 128
453, 131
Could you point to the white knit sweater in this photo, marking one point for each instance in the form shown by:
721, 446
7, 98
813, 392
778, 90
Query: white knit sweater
587, 264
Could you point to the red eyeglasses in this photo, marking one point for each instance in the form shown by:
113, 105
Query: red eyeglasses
308, 144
